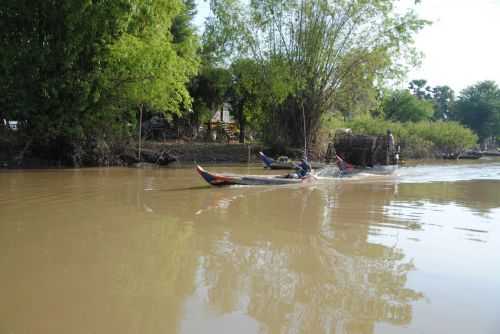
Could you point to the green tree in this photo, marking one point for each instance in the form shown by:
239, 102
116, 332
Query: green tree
209, 90
358, 94
182, 27
74, 70
154, 60
246, 93
52, 56
478, 107
402, 106
420, 89
443, 98
321, 42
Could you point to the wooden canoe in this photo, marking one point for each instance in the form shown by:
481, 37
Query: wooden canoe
249, 180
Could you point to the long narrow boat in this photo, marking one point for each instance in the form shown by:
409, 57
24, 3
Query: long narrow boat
347, 170
249, 180
276, 164
469, 155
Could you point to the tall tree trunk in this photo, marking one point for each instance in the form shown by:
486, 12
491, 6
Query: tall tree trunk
140, 132
241, 121
209, 130
242, 126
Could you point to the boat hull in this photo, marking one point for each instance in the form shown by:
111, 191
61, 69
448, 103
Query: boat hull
491, 154
464, 156
248, 180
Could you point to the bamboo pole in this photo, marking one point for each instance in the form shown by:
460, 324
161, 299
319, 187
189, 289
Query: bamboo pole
304, 126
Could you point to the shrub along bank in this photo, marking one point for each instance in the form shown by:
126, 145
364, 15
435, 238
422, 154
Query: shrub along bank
417, 140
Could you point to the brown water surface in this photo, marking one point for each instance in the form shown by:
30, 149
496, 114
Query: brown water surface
158, 251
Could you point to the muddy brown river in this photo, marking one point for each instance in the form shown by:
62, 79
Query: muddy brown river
159, 251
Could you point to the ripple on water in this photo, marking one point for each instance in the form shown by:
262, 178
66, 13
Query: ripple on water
411, 253
454, 172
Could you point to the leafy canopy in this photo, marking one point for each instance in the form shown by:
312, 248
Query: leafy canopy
71, 70
478, 107
322, 43
402, 106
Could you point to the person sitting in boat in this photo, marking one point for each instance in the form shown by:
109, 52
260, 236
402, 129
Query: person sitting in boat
303, 169
343, 165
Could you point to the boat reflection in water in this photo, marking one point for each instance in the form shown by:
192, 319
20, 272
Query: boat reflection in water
158, 251
302, 264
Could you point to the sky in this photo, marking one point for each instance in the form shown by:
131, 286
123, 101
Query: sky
461, 47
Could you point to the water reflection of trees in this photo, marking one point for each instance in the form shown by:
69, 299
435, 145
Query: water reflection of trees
300, 261
303, 259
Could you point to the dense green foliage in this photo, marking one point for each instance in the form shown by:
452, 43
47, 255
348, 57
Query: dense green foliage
328, 52
402, 106
73, 70
443, 98
209, 89
420, 89
245, 93
478, 107
75, 74
417, 139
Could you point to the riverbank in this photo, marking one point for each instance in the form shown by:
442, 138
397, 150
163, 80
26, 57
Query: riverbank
162, 154
15, 155
202, 152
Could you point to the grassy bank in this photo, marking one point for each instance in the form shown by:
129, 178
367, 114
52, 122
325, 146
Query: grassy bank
420, 140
